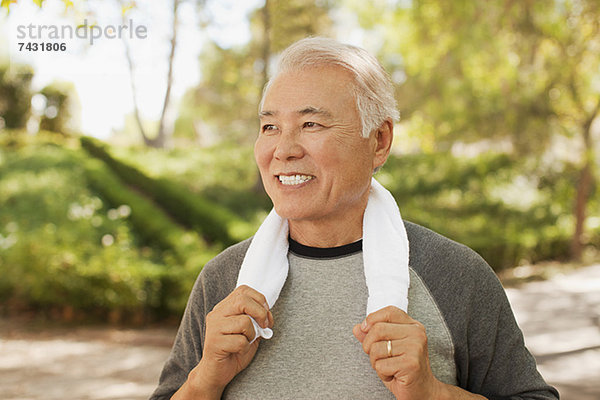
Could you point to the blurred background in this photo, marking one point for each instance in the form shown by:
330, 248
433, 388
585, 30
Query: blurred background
127, 163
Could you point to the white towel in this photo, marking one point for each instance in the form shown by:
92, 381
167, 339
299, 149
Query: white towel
385, 254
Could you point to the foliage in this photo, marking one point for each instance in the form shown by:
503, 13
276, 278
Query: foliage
15, 95
216, 223
153, 226
6, 3
75, 239
519, 74
225, 103
61, 108
487, 203
63, 248
493, 69
224, 174
124, 231
293, 20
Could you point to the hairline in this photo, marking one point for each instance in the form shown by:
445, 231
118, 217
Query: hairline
371, 87
356, 92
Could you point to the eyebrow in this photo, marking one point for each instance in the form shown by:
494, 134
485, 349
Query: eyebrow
309, 110
266, 114
314, 110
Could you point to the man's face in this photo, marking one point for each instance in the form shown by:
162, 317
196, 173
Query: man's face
314, 164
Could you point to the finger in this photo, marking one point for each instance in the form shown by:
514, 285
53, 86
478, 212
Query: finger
386, 368
383, 331
233, 344
238, 325
358, 333
379, 350
254, 294
402, 368
386, 314
245, 300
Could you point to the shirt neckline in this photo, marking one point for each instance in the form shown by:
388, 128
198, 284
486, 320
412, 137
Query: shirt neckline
324, 252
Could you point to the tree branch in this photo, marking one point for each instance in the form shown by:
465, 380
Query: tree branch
136, 110
161, 136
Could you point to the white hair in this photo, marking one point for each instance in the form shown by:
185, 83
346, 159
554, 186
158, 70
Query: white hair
373, 88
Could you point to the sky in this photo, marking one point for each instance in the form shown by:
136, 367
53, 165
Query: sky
98, 66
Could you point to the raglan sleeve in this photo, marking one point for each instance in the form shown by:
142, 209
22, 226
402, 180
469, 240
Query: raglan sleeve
492, 357
187, 347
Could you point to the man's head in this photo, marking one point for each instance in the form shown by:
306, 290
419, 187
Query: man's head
372, 86
315, 159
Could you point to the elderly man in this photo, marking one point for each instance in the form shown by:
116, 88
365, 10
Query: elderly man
333, 246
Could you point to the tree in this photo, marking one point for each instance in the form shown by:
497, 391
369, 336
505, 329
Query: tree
15, 95
61, 108
280, 23
226, 100
7, 3
159, 141
520, 73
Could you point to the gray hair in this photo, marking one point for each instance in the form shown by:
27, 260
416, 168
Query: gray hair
373, 88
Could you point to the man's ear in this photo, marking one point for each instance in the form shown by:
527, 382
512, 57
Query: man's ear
383, 136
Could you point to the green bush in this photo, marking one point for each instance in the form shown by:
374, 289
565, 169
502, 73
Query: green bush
224, 174
151, 223
62, 247
470, 201
216, 223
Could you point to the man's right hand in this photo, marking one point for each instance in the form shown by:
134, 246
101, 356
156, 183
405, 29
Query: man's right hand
227, 349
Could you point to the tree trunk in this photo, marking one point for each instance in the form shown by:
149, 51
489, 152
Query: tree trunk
266, 55
136, 110
160, 140
266, 50
584, 185
161, 137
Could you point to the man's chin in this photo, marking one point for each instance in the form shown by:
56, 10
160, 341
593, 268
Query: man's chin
292, 214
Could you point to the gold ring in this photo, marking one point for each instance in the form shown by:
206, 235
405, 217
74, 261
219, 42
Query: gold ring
389, 348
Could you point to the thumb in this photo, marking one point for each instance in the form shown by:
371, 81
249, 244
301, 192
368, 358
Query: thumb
358, 333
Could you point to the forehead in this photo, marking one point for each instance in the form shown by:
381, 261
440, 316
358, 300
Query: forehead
328, 87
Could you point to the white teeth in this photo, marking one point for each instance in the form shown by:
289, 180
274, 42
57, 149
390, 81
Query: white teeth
294, 179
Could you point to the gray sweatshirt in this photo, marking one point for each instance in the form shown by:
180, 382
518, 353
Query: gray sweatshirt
473, 339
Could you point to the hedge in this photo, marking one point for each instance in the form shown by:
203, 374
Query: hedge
150, 222
214, 222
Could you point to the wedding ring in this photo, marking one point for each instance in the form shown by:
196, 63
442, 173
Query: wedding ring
389, 348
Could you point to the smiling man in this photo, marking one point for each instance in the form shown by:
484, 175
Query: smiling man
315, 164
437, 323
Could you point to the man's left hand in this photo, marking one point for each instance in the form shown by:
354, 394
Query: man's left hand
403, 364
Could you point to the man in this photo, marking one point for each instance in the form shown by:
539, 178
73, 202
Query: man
326, 125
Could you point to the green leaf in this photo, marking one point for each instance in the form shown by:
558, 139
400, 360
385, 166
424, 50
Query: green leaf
126, 7
7, 3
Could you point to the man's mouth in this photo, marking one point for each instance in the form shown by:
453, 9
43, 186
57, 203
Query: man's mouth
294, 179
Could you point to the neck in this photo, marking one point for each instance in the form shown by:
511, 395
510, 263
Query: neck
325, 233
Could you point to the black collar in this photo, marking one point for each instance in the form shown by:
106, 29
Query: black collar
325, 252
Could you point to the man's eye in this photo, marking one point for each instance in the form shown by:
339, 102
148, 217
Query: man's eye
310, 124
268, 127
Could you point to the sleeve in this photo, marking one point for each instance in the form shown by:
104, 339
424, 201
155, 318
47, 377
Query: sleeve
489, 350
216, 280
491, 356
187, 348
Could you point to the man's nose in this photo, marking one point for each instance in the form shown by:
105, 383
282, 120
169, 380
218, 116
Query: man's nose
289, 146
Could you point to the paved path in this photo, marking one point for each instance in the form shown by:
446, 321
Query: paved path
560, 317
80, 364
561, 321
